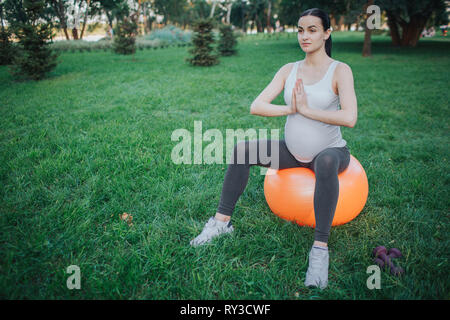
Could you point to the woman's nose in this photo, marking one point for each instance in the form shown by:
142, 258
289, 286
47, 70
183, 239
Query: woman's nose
305, 36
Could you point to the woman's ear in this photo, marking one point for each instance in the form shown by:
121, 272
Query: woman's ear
327, 34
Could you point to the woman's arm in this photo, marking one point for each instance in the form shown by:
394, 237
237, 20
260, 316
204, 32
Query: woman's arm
262, 105
348, 114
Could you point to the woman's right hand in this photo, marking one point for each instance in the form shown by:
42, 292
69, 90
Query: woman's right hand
293, 107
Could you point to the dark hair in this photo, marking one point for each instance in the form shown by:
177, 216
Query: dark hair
316, 12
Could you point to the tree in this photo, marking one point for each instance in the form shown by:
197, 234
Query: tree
75, 10
337, 10
60, 10
115, 10
6, 46
213, 8
229, 5
88, 2
30, 21
290, 11
125, 36
367, 47
172, 10
257, 15
240, 14
200, 9
227, 41
146, 7
203, 40
269, 16
407, 18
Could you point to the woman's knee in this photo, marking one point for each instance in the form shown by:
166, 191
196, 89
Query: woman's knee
326, 163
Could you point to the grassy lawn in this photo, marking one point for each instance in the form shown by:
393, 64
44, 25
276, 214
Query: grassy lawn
94, 140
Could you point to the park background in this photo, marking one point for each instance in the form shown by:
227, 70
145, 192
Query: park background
90, 141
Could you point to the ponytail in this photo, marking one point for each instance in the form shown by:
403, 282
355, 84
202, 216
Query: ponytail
328, 45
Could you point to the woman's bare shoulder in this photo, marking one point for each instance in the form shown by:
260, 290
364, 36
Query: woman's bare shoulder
342, 68
286, 69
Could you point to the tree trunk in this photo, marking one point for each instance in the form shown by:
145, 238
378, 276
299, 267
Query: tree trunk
146, 24
259, 27
166, 18
393, 28
243, 17
213, 8
76, 22
146, 31
66, 33
228, 12
333, 23
416, 36
367, 47
85, 19
61, 13
340, 23
269, 9
110, 23
75, 33
412, 30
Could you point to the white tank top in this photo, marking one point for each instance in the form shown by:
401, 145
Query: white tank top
305, 137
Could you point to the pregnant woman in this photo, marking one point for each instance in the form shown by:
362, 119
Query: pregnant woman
313, 89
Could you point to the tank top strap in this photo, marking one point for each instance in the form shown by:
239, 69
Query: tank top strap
330, 72
295, 69
291, 78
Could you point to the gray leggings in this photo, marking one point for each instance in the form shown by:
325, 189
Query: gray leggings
326, 166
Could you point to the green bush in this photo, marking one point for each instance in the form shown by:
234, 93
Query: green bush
170, 35
238, 33
103, 44
148, 44
203, 41
125, 37
35, 57
79, 45
227, 42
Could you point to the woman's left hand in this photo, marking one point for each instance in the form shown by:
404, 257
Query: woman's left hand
300, 98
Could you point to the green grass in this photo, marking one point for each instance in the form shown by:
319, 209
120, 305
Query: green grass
94, 140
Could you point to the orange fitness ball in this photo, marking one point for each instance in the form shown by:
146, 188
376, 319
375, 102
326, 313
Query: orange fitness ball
290, 193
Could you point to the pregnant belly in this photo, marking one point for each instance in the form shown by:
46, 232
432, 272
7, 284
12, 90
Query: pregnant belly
305, 137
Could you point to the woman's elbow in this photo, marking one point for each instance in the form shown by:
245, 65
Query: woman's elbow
352, 123
253, 107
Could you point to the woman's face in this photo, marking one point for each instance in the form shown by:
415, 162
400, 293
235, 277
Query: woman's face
311, 35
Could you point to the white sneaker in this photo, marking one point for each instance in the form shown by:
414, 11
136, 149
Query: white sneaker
317, 274
212, 229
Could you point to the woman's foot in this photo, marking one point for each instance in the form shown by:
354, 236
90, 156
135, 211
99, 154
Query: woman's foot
212, 229
317, 274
